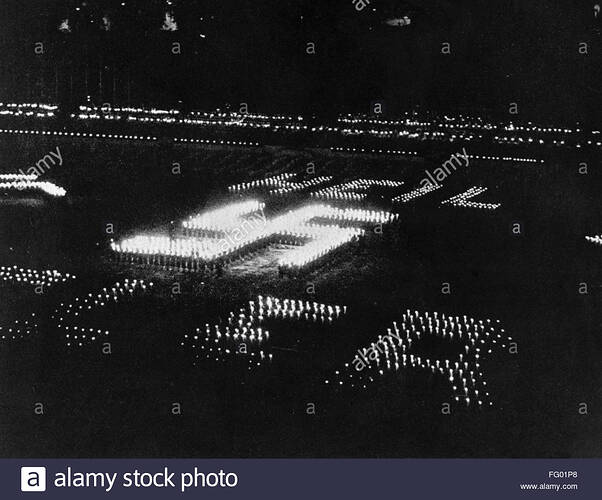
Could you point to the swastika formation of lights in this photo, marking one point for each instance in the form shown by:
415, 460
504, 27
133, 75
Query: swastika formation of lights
19, 329
226, 232
27, 182
33, 277
596, 240
461, 200
416, 193
222, 342
392, 352
65, 314
353, 190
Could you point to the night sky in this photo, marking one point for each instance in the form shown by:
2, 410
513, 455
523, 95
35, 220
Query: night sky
255, 52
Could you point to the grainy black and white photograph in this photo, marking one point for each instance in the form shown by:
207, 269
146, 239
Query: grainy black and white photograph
300, 228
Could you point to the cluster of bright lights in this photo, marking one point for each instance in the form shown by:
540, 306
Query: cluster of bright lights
286, 187
19, 329
330, 238
393, 352
27, 182
219, 233
320, 240
353, 190
29, 110
223, 341
416, 193
462, 199
224, 218
596, 240
233, 229
66, 314
27, 276
356, 215
158, 245
275, 181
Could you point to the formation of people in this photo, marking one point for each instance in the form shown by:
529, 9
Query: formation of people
27, 276
392, 352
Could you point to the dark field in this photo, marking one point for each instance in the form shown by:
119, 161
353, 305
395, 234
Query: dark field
120, 404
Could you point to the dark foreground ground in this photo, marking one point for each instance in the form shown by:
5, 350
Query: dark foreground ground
121, 404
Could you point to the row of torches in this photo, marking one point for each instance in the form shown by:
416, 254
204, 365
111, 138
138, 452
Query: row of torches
288, 187
270, 182
353, 190
416, 193
513, 159
460, 130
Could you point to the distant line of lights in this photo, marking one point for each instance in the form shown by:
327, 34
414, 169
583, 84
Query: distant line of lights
93, 135
374, 151
353, 190
506, 158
